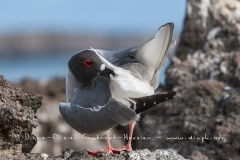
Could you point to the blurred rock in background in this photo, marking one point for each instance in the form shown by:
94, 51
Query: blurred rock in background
204, 119
59, 43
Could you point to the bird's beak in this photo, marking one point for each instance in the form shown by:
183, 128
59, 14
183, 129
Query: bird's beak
107, 72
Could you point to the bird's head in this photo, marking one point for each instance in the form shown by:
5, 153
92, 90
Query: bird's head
86, 65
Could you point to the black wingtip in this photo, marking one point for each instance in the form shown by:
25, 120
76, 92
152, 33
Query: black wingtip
172, 93
144, 103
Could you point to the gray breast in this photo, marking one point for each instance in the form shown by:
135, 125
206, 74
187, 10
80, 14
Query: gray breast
85, 120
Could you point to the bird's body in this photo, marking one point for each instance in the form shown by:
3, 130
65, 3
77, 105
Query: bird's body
105, 88
92, 110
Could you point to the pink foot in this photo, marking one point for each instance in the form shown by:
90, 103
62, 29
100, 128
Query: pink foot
108, 151
93, 153
118, 150
126, 148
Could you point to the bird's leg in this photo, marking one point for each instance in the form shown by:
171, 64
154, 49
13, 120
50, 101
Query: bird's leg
108, 150
128, 147
129, 144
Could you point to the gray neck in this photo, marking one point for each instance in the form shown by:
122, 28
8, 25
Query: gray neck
71, 84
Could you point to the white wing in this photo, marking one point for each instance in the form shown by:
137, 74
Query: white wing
124, 84
155, 52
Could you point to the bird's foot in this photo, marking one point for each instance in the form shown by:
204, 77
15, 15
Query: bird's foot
126, 148
93, 153
108, 150
113, 150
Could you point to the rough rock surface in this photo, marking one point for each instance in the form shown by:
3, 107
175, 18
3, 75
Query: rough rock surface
203, 122
203, 118
17, 119
210, 24
132, 155
209, 44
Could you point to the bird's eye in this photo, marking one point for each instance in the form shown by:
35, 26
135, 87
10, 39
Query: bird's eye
88, 62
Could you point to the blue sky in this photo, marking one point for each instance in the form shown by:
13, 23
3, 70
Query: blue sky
105, 17
89, 16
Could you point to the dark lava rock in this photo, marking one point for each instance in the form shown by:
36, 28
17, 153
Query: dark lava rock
203, 118
210, 24
132, 155
203, 122
17, 119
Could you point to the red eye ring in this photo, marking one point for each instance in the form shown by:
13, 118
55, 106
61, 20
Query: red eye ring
88, 62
